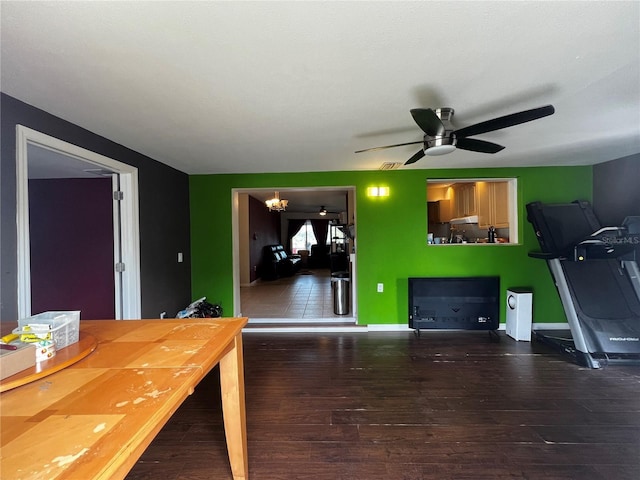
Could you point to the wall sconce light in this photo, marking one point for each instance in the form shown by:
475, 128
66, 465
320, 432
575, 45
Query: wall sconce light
323, 211
277, 205
378, 191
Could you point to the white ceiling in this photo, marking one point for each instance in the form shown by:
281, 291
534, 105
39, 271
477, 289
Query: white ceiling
235, 87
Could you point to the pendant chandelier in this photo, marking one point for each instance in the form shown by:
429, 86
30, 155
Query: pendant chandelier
277, 205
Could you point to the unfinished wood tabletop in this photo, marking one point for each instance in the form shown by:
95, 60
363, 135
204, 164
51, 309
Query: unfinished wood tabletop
94, 419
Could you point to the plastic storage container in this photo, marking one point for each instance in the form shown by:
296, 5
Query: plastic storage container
65, 326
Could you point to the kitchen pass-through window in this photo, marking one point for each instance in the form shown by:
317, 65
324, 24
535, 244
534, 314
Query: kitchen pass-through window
472, 211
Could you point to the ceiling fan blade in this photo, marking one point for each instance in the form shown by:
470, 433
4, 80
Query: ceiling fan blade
428, 121
388, 146
417, 156
476, 145
504, 122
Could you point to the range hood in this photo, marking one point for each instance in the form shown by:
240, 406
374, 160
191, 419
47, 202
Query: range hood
462, 220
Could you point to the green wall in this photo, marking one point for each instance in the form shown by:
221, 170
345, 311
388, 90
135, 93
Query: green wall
391, 235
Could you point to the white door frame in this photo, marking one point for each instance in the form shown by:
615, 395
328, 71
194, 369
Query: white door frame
128, 298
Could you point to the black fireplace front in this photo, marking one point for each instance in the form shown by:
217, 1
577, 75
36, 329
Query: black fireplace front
459, 303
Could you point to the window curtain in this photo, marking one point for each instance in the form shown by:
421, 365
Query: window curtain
293, 228
320, 228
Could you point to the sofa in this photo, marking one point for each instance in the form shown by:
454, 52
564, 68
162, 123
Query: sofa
276, 263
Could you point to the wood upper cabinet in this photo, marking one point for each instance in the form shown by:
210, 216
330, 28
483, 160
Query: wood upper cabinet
493, 204
465, 199
501, 204
439, 211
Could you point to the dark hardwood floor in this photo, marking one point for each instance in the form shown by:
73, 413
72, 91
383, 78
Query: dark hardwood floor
448, 405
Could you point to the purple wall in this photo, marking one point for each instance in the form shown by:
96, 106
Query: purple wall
72, 260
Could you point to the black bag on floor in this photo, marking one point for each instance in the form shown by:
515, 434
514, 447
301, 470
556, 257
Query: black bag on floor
201, 309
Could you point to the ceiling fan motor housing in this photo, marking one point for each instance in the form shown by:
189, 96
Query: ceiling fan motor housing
445, 114
446, 143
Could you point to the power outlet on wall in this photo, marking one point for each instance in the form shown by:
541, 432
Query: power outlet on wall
380, 288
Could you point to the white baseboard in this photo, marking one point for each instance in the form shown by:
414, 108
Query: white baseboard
336, 325
550, 326
389, 327
311, 329
302, 322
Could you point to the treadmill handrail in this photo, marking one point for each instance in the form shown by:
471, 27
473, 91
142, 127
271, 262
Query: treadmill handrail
592, 241
619, 230
581, 251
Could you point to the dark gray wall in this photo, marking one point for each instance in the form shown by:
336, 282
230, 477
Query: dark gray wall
164, 211
616, 189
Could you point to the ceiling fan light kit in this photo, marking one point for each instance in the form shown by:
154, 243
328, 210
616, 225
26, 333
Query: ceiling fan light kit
440, 137
440, 146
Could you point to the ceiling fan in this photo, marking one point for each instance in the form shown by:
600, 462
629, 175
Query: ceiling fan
441, 138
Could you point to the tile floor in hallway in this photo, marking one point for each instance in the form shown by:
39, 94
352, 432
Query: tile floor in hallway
306, 295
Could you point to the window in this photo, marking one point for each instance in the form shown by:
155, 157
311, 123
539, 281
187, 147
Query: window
478, 211
303, 239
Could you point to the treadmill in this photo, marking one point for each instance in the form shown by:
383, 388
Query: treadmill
597, 278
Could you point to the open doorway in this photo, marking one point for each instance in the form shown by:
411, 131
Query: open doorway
309, 288
72, 242
58, 170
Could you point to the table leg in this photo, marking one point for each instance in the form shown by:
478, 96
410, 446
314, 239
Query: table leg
233, 409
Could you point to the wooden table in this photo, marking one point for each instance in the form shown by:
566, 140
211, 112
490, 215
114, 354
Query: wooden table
94, 419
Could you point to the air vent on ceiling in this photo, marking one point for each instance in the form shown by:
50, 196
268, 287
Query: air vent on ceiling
390, 165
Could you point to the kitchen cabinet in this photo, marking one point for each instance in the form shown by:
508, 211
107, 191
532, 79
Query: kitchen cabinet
501, 204
439, 211
464, 199
492, 204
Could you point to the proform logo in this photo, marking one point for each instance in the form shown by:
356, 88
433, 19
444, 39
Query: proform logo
624, 339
